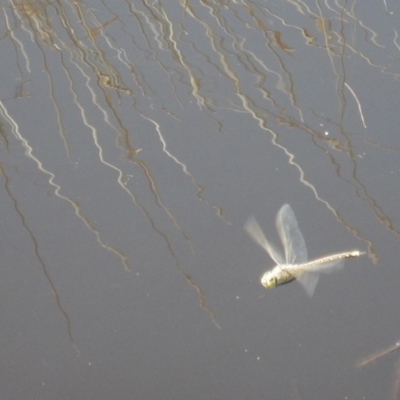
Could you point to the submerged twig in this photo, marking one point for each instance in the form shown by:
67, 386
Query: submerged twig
376, 355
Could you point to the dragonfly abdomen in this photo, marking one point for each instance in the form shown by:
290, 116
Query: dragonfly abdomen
333, 257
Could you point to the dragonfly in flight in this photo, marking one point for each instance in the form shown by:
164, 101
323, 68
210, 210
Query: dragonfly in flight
294, 265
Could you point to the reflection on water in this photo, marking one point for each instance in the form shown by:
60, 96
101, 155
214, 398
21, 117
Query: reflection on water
120, 90
395, 391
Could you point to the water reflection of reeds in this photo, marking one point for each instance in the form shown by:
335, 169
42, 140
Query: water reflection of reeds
123, 84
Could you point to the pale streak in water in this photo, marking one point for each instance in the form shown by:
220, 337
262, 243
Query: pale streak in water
395, 390
377, 355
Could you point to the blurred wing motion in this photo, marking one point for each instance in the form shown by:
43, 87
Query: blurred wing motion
254, 230
291, 237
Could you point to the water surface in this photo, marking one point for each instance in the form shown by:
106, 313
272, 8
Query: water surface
137, 138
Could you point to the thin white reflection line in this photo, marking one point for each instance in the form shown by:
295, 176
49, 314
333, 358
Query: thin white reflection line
358, 104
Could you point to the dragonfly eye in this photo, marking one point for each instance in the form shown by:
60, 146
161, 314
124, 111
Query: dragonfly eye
269, 281
272, 282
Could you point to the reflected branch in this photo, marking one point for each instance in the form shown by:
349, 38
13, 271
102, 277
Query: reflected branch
377, 355
39, 257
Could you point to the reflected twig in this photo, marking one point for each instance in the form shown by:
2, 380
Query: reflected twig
376, 355
395, 392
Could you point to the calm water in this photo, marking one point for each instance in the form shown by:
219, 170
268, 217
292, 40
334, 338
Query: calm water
137, 138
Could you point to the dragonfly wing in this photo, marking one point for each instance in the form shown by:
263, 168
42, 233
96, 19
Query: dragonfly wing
309, 282
291, 237
309, 275
254, 230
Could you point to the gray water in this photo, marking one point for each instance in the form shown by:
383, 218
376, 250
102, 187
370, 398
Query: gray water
137, 138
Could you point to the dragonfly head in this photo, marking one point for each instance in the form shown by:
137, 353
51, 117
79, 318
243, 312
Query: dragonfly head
269, 280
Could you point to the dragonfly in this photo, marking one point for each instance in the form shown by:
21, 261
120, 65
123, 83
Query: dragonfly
294, 265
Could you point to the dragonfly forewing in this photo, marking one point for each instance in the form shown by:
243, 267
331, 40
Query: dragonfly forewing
254, 230
291, 237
